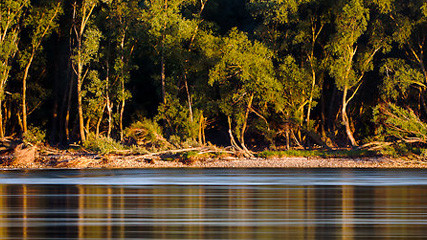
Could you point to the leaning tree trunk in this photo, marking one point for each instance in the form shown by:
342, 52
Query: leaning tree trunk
245, 122
345, 119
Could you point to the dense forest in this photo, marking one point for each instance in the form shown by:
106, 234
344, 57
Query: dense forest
247, 73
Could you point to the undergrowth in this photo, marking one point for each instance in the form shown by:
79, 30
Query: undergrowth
316, 153
103, 145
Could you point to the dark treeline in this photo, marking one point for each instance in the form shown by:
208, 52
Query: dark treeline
252, 73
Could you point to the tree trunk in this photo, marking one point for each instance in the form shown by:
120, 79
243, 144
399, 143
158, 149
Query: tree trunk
190, 108
345, 119
67, 115
110, 117
98, 124
287, 137
1, 120
162, 61
79, 103
24, 93
242, 135
313, 84
232, 140
122, 110
202, 126
87, 128
107, 99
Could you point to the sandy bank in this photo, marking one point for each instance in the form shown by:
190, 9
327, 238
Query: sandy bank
115, 162
289, 162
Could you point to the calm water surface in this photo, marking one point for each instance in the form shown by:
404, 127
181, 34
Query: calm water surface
214, 204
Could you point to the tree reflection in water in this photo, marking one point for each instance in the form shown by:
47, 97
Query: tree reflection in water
212, 212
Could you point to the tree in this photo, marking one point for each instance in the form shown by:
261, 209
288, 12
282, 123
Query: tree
175, 29
123, 22
407, 70
245, 76
41, 21
167, 28
294, 31
11, 12
85, 46
401, 115
350, 58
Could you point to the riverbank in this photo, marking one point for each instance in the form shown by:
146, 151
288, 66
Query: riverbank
284, 162
93, 161
199, 157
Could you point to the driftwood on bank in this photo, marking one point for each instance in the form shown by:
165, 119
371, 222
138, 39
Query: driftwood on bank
201, 150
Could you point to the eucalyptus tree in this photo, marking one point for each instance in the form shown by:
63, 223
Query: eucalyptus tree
294, 30
175, 29
402, 116
41, 21
118, 20
351, 56
407, 70
161, 18
124, 15
245, 76
168, 29
85, 45
11, 12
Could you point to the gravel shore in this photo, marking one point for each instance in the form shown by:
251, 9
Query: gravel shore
68, 161
289, 162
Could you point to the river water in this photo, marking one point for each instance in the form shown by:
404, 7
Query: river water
214, 204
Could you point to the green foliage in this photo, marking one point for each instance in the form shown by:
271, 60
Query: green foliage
385, 6
11, 13
103, 145
93, 95
401, 124
192, 156
166, 25
317, 153
245, 76
296, 83
350, 23
399, 77
34, 135
42, 21
90, 47
177, 119
277, 11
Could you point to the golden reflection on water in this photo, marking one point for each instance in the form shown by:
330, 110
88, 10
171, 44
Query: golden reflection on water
201, 212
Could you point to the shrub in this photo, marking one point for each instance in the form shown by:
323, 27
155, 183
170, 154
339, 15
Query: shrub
146, 133
34, 136
317, 153
103, 145
193, 156
177, 119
